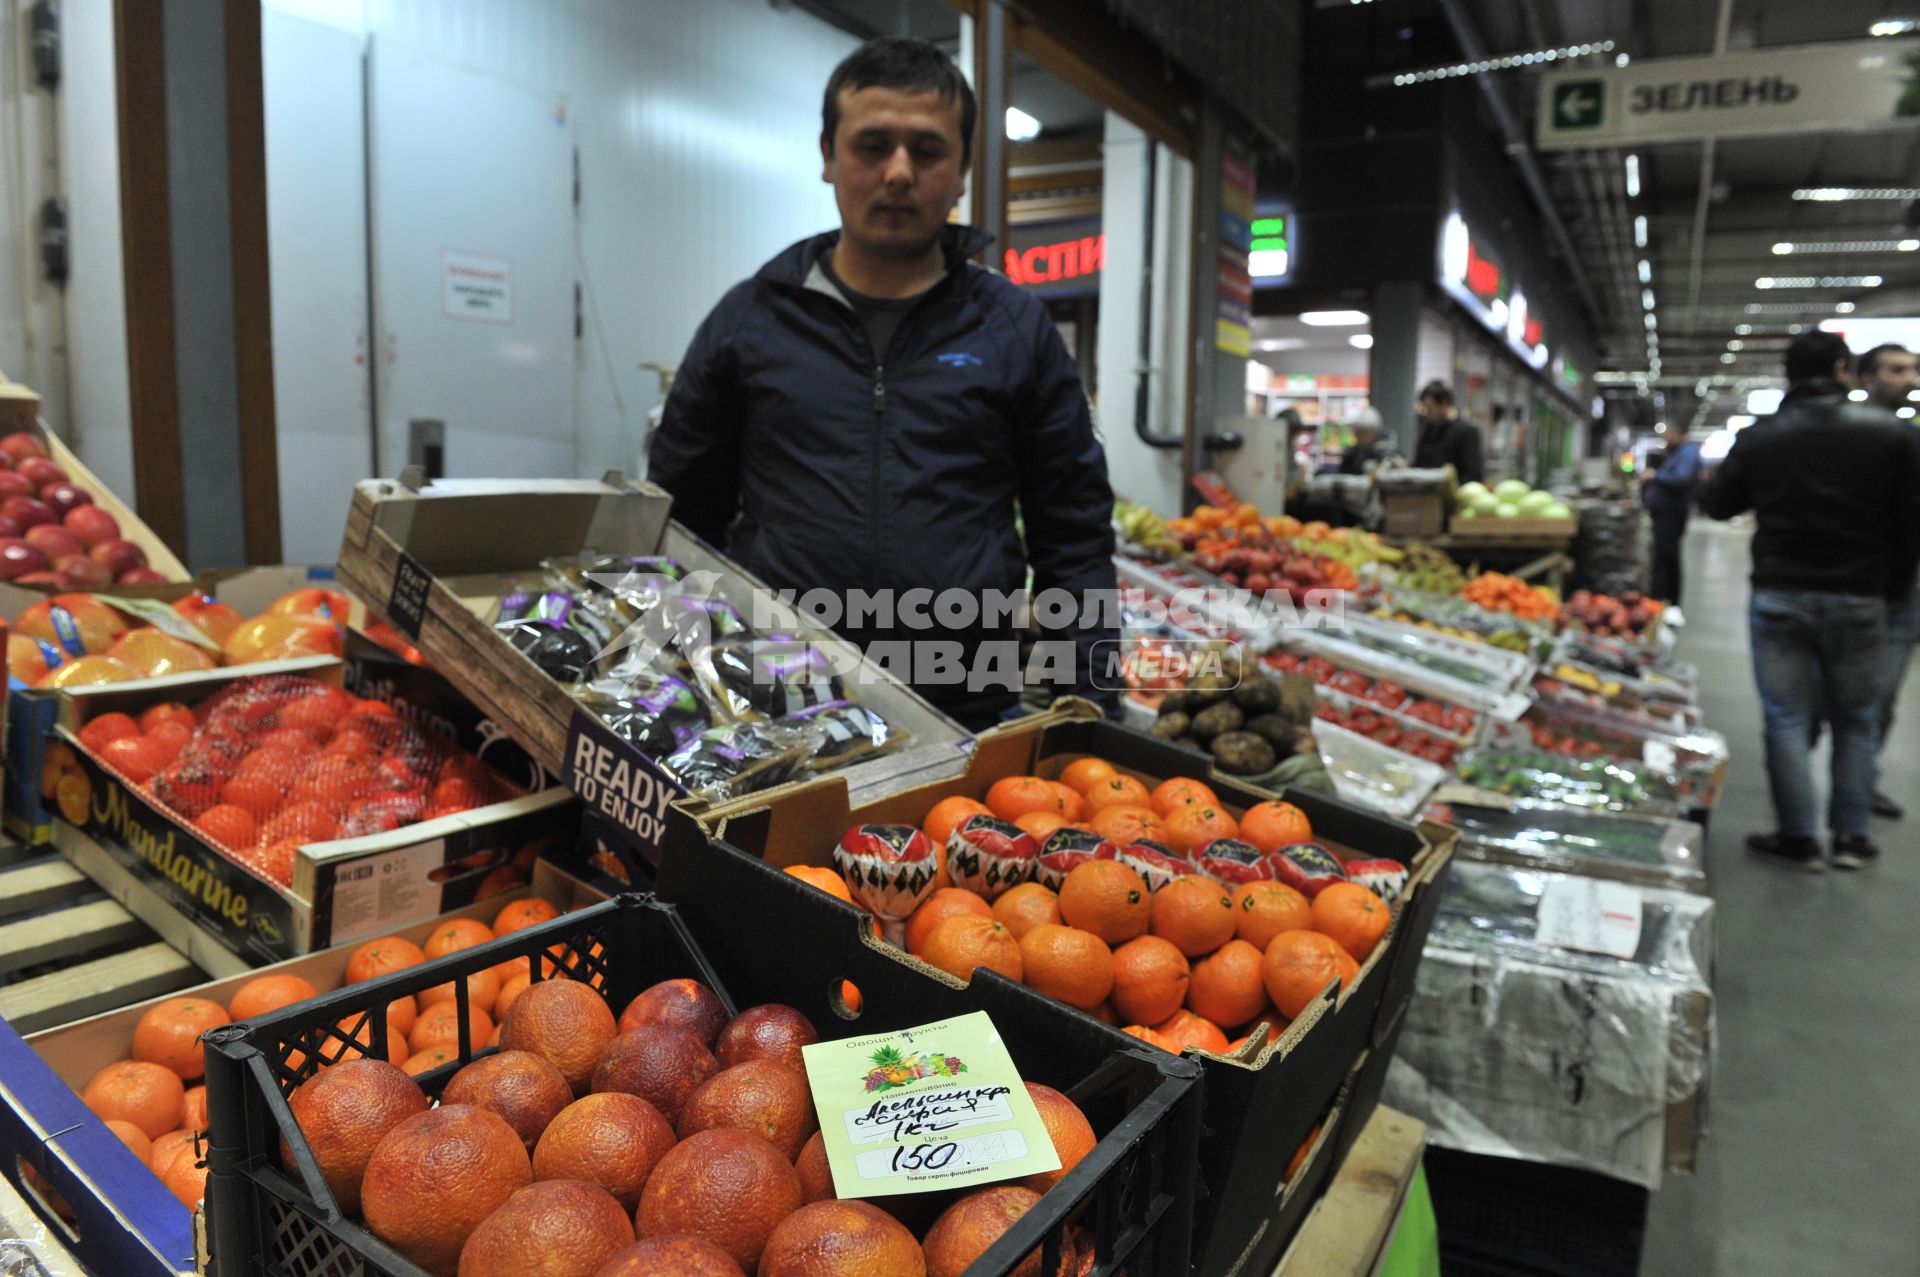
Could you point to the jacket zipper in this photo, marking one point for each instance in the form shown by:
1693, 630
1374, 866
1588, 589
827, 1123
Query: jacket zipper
874, 502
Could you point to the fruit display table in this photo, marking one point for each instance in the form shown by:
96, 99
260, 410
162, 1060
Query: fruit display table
1375, 1217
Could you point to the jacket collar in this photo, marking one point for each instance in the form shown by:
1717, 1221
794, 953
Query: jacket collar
798, 265
1813, 388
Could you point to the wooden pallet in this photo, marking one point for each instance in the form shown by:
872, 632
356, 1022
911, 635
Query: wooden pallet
67, 951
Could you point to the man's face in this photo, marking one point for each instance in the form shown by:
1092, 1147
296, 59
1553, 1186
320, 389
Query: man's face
1892, 379
1431, 410
896, 169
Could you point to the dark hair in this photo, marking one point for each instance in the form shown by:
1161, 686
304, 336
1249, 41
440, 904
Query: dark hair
1813, 354
1438, 391
899, 62
1870, 362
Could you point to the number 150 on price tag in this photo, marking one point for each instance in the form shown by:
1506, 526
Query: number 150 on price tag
932, 1107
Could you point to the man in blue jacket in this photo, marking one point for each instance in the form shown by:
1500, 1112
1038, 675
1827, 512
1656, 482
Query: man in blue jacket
874, 416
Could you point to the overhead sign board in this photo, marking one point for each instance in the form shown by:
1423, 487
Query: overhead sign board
1852, 84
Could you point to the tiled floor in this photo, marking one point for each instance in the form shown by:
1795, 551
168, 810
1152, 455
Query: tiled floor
1813, 1163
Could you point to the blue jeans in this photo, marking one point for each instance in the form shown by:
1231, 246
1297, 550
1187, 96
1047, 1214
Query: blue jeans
1903, 629
1811, 649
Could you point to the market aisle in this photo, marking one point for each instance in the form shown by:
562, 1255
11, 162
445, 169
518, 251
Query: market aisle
1813, 1119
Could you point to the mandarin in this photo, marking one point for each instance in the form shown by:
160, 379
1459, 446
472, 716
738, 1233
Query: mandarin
1193, 825
1069, 964
963, 943
1012, 797
1118, 791
1084, 773
1273, 824
1298, 965
1262, 910
1025, 907
456, 934
383, 957
150, 1096
1178, 791
826, 880
1150, 978
1353, 915
1106, 898
1195, 914
1228, 987
944, 903
1125, 824
268, 993
1185, 1029
949, 814
169, 1034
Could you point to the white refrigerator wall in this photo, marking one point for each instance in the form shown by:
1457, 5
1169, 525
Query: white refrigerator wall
697, 126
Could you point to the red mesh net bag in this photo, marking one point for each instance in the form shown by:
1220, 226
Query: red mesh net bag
278, 761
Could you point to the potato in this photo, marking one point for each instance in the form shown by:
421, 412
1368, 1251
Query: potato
1210, 722
1243, 753
1172, 726
1275, 729
1257, 695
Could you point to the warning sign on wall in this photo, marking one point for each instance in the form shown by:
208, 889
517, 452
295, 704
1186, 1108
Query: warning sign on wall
476, 288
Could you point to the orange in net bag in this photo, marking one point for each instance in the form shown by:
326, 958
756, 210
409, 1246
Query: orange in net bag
280, 760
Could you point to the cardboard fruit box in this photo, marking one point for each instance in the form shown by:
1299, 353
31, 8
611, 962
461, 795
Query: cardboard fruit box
1132, 1194
435, 560
725, 863
20, 411
342, 890
126, 1222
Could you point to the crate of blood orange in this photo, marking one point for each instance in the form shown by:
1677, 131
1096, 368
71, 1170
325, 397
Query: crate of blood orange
133, 1215
662, 1152
284, 814
1262, 1098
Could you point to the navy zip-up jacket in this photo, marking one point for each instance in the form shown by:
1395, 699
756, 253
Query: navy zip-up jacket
816, 465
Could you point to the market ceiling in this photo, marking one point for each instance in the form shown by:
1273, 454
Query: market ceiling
1720, 216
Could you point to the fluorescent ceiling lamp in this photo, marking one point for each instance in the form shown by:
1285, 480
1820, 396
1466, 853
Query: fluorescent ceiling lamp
1640, 230
1280, 343
1361, 341
1646, 298
1849, 246
1267, 263
1818, 281
1903, 412
1743, 329
1335, 318
1736, 344
1021, 127
1739, 421
1621, 60
1893, 26
1506, 62
1832, 194
1728, 358
1762, 403
1652, 320
1633, 176
1858, 396
1646, 271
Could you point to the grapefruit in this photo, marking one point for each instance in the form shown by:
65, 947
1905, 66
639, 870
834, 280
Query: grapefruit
556, 1228
612, 1139
764, 1097
726, 1186
344, 1112
435, 1177
662, 1066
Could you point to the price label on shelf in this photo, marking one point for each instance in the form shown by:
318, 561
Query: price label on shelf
932, 1107
1589, 916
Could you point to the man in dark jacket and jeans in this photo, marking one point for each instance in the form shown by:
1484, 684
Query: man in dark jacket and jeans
864, 415
1835, 488
1443, 439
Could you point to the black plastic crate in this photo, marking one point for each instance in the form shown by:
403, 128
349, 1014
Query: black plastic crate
1133, 1194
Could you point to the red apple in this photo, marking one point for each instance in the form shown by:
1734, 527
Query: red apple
10, 527
78, 572
17, 558
15, 485
54, 541
91, 524
139, 576
22, 444
42, 471
41, 578
118, 556
65, 496
28, 511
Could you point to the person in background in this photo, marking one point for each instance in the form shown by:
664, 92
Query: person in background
1835, 491
1668, 496
1444, 439
1888, 376
1369, 449
872, 411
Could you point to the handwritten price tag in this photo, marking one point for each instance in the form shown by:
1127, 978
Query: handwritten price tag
932, 1107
